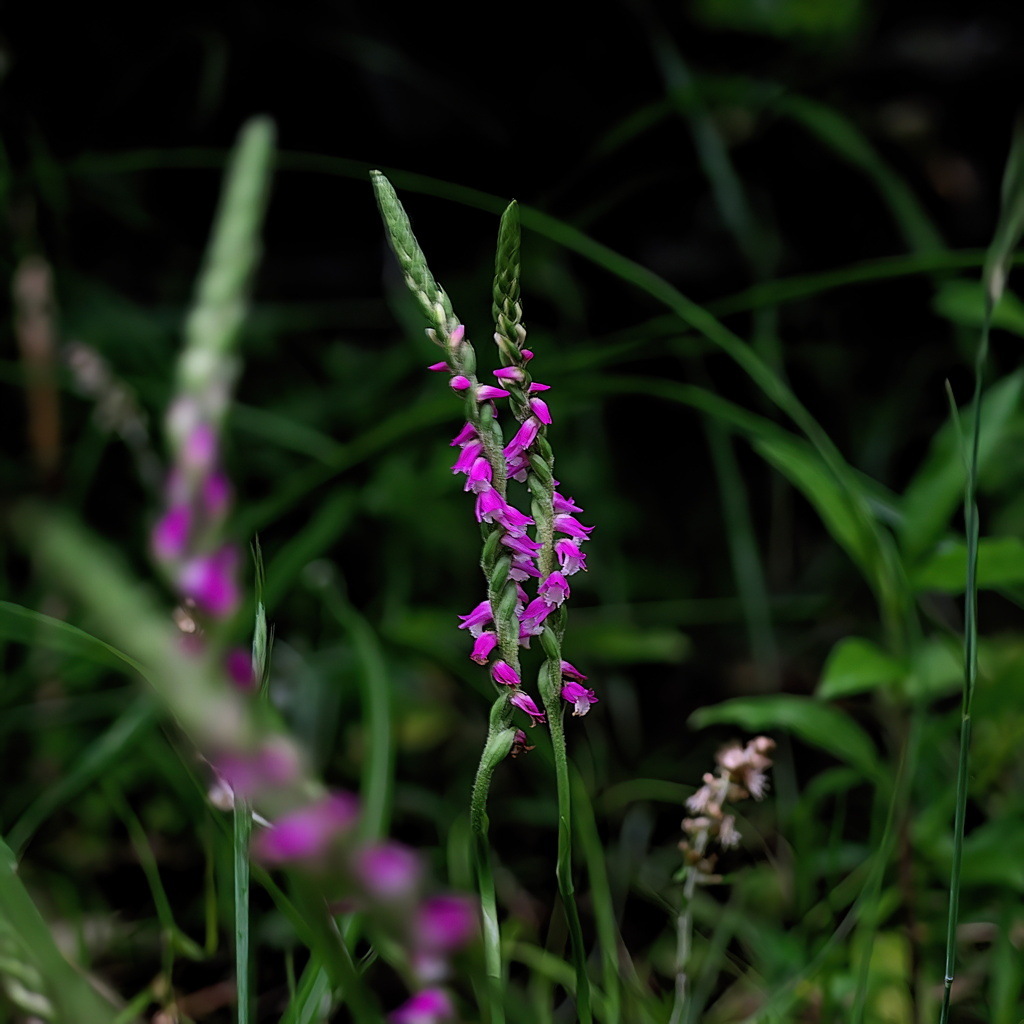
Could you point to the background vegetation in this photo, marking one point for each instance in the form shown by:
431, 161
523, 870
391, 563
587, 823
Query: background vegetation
770, 464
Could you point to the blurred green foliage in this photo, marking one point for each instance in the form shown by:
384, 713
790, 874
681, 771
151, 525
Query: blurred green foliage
751, 570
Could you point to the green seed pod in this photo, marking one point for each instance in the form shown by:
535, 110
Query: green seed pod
549, 642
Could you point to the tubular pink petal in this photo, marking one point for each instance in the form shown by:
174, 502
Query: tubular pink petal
210, 581
459, 383
561, 504
388, 870
579, 696
238, 665
571, 526
479, 617
540, 409
486, 392
570, 558
170, 535
485, 644
445, 923
479, 475
554, 590
467, 433
431, 1006
524, 702
441, 367
307, 832
505, 674
469, 453
569, 671
510, 373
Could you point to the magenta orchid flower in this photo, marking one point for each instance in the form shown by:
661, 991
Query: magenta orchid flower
524, 702
579, 696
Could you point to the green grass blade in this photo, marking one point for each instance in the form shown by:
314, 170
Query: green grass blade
135, 723
23, 625
378, 769
1007, 236
608, 938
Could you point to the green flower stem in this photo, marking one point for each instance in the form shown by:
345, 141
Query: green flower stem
240, 848
997, 264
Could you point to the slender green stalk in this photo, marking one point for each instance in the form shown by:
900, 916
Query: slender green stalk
997, 263
502, 595
240, 850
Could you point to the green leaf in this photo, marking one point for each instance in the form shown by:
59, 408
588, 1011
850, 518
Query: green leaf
23, 625
847, 524
818, 724
937, 669
963, 302
1000, 564
938, 487
856, 665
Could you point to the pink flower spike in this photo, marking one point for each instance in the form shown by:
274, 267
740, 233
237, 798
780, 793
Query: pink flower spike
431, 1006
569, 671
561, 504
554, 590
170, 535
524, 702
479, 617
441, 367
307, 832
388, 870
570, 558
504, 673
540, 409
459, 383
579, 696
510, 373
467, 433
538, 387
485, 643
485, 392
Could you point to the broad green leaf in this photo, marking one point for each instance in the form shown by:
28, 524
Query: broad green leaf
994, 854
1000, 564
937, 668
856, 665
937, 489
818, 724
963, 302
